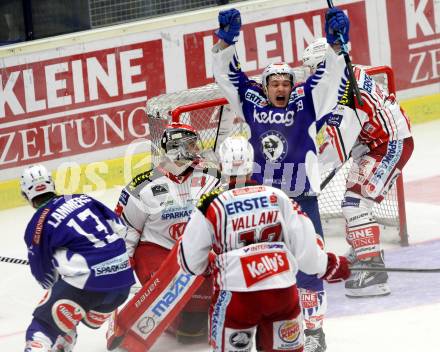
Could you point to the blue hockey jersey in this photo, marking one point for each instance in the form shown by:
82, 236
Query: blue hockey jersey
284, 139
80, 239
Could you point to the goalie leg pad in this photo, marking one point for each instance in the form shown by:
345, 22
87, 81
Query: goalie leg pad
143, 319
363, 232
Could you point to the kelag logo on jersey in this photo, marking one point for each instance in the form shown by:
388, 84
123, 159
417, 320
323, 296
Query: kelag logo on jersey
278, 118
274, 146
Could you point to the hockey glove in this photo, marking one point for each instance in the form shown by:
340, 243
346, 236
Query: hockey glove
230, 24
336, 23
337, 269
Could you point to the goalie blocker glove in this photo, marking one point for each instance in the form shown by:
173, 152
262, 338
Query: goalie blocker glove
337, 269
336, 23
230, 25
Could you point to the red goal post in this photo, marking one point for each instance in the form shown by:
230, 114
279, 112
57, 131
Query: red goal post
203, 108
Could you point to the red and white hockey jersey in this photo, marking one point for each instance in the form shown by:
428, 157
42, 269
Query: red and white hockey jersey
260, 236
157, 204
378, 121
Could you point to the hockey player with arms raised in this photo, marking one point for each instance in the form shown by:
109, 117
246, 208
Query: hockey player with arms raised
378, 137
76, 252
261, 238
282, 118
156, 206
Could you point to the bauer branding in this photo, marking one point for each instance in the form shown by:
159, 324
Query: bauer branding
147, 292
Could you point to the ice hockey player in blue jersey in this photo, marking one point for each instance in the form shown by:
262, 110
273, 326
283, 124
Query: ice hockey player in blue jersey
282, 117
76, 252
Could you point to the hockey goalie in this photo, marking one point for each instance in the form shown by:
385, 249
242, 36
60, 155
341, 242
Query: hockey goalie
156, 206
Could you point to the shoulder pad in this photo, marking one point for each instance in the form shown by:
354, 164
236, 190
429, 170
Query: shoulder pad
140, 179
206, 199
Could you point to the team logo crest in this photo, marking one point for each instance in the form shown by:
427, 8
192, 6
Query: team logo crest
176, 230
274, 146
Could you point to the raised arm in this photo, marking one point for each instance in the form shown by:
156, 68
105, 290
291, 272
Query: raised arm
329, 82
226, 66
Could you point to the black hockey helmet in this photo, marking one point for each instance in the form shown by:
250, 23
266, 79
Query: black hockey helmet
181, 140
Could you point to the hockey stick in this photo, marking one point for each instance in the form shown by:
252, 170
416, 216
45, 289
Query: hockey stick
399, 270
218, 126
13, 260
330, 177
349, 65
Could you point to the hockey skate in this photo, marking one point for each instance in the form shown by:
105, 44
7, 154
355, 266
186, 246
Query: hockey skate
65, 343
193, 328
315, 341
368, 283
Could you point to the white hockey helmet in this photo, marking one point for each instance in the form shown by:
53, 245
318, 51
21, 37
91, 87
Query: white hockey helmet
314, 54
278, 68
36, 180
236, 156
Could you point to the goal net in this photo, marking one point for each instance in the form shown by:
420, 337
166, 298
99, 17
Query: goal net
203, 108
